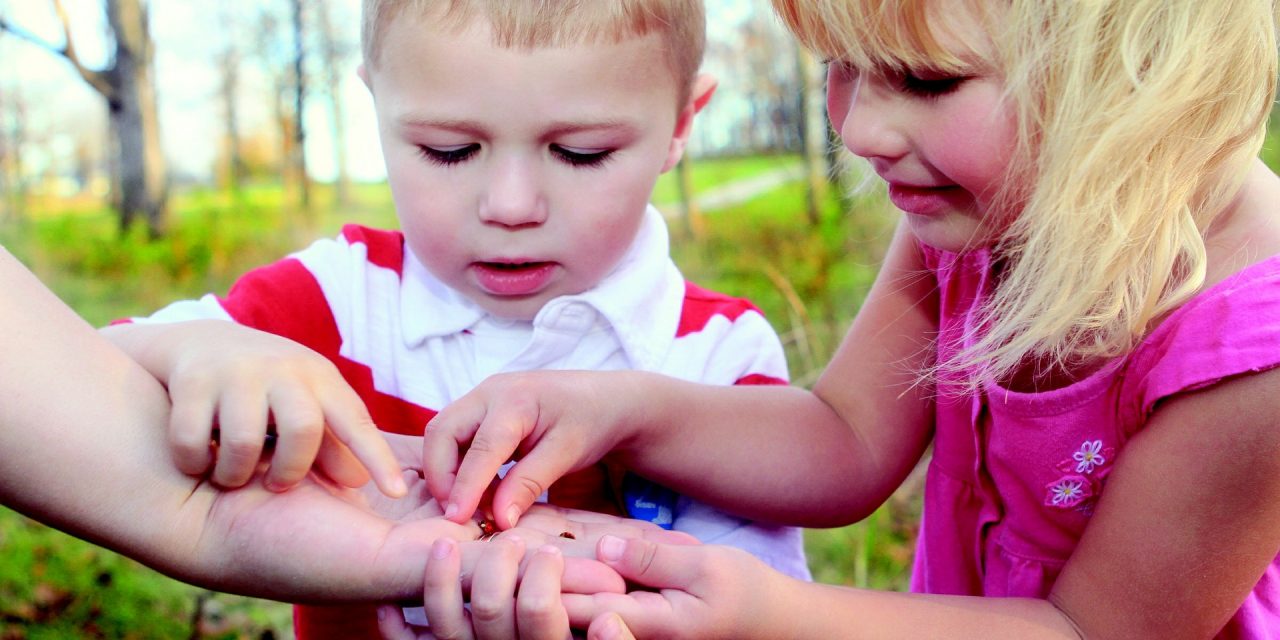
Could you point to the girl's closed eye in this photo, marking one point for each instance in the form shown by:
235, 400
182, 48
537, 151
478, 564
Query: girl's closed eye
581, 157
449, 154
926, 83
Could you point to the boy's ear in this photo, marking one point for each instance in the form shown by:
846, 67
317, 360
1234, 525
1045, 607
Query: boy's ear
703, 87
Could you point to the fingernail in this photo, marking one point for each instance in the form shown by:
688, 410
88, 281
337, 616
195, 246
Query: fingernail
549, 549
611, 548
612, 628
450, 511
398, 486
440, 548
513, 514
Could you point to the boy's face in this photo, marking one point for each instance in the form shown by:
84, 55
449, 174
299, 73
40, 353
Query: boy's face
521, 175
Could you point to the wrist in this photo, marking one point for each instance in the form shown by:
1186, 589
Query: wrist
639, 424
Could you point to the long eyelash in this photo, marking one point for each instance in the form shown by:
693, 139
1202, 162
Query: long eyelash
928, 88
588, 160
450, 157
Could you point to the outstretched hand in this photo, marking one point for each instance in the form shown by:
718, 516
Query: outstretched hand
684, 591
553, 422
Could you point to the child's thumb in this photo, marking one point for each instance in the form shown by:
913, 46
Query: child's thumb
661, 566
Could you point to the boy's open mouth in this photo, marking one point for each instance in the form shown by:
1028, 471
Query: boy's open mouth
513, 278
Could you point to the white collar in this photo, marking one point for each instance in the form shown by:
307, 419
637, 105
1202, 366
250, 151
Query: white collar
640, 299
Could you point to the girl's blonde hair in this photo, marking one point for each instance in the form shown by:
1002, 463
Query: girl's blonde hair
532, 24
1137, 122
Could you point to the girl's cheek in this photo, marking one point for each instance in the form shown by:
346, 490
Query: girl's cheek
839, 95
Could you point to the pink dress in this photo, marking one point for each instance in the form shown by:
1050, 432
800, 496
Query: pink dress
1014, 476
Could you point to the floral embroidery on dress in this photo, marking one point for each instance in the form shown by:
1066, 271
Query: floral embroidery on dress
1082, 478
1089, 456
1068, 491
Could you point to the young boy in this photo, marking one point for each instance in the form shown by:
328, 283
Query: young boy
522, 141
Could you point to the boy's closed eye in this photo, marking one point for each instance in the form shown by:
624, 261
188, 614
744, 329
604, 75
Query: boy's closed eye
580, 157
449, 154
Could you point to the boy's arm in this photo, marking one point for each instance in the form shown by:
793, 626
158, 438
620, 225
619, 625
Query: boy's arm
773, 453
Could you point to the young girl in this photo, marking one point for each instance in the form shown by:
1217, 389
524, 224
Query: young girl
1080, 311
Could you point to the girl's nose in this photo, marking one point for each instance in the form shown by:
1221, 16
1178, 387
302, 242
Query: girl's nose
514, 197
869, 121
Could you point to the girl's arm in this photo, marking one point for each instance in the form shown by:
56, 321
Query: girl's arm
783, 454
1189, 522
821, 458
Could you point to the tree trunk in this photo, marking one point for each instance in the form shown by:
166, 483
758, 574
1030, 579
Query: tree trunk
143, 175
299, 156
816, 139
229, 91
333, 56
140, 176
694, 224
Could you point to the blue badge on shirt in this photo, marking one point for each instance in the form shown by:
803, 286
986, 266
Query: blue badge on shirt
645, 500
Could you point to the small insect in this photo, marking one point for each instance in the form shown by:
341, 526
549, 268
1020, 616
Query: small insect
568, 534
488, 528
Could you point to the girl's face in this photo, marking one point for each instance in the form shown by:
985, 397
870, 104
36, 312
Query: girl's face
941, 142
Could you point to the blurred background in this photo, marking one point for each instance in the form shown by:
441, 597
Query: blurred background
252, 137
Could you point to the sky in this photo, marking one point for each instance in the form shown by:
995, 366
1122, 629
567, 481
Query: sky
187, 36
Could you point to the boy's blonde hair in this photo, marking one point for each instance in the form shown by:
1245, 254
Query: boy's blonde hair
1137, 122
531, 24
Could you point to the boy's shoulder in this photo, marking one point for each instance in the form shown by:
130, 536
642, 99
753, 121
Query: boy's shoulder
355, 246
701, 305
384, 247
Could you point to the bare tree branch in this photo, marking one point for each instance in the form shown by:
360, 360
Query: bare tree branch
96, 79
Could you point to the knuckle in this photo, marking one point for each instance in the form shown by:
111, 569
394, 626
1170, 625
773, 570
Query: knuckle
487, 610
538, 609
448, 629
530, 486
239, 446
304, 424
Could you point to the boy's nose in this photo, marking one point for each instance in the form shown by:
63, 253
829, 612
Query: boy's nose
869, 124
514, 197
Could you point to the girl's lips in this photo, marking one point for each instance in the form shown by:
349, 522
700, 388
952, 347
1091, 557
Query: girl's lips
513, 278
923, 200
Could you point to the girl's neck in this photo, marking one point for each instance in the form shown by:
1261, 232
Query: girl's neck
1248, 231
